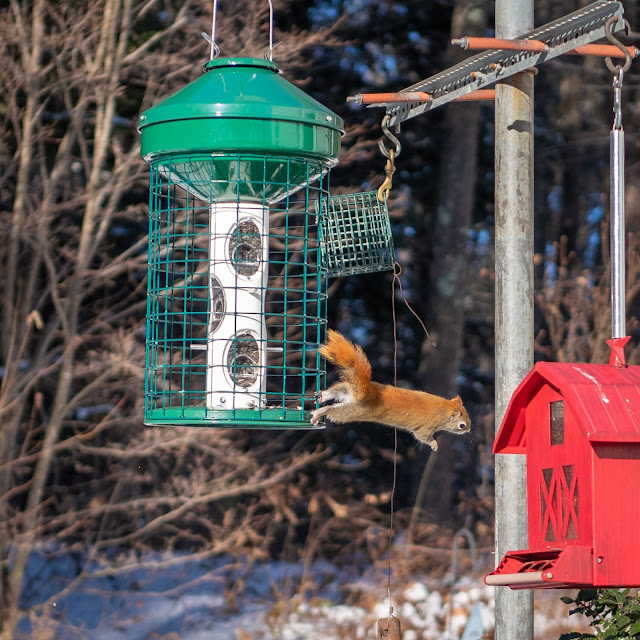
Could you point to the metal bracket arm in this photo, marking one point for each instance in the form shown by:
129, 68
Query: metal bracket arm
561, 36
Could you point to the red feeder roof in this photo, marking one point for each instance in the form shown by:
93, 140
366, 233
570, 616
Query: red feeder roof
604, 399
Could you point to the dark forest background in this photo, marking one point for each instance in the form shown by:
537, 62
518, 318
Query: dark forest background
76, 465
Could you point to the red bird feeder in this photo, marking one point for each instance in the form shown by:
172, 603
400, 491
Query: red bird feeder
579, 426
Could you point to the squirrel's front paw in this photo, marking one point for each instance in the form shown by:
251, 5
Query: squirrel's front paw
433, 444
315, 416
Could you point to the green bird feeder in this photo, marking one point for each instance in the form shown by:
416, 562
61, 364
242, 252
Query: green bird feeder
236, 305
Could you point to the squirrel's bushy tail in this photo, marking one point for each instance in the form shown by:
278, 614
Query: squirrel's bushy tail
355, 368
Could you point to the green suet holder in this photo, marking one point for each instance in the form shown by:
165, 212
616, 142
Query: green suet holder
355, 234
237, 300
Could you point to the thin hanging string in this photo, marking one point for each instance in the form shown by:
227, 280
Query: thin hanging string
395, 434
397, 270
393, 491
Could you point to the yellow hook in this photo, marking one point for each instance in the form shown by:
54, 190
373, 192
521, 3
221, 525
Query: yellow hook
389, 169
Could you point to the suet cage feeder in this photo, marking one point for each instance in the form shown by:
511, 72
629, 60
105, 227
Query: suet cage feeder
236, 305
355, 234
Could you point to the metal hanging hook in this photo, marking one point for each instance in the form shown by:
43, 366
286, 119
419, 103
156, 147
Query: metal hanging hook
215, 50
618, 78
396, 142
608, 32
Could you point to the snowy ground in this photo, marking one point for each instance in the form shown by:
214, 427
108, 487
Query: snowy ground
221, 598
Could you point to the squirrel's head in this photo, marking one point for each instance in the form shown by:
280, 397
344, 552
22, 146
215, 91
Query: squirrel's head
458, 420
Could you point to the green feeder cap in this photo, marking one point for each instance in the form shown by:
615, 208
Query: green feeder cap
241, 105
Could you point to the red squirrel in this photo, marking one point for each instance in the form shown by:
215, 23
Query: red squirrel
357, 399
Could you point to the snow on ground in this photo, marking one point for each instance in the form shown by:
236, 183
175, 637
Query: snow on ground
221, 597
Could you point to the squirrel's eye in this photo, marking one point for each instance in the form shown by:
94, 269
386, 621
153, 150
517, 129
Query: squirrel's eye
462, 425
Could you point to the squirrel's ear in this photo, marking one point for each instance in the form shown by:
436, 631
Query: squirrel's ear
455, 414
458, 400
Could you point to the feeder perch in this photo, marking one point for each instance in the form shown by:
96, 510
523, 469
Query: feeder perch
355, 234
579, 426
236, 305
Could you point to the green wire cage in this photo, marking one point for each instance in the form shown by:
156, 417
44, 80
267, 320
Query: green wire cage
355, 234
236, 290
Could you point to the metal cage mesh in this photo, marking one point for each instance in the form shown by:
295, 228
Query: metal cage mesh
355, 234
236, 304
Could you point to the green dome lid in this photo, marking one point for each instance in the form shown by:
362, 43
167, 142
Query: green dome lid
241, 105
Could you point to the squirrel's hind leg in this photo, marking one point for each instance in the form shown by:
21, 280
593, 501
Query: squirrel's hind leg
338, 394
335, 396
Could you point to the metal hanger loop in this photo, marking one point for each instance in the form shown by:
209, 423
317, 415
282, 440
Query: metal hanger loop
396, 142
215, 50
608, 26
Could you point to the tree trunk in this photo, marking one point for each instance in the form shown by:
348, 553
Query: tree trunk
440, 365
73, 79
112, 48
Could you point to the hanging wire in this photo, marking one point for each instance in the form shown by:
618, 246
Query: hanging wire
397, 270
215, 50
393, 624
395, 439
269, 53
393, 493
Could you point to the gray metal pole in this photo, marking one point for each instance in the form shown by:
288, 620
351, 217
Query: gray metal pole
514, 304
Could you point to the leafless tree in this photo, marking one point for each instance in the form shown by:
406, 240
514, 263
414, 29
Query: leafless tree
449, 291
576, 305
76, 463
